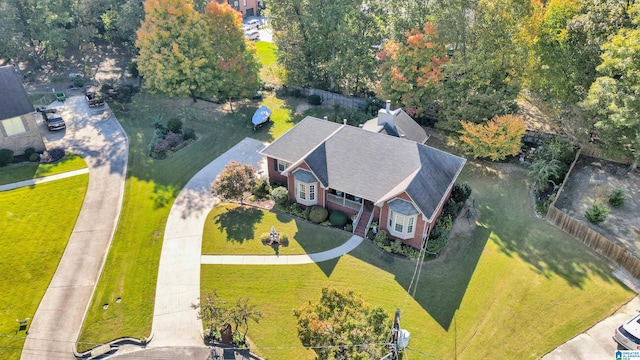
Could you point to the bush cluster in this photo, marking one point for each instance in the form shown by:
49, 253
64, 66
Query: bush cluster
439, 235
314, 99
280, 195
171, 137
52, 155
616, 198
395, 246
338, 219
6, 156
262, 189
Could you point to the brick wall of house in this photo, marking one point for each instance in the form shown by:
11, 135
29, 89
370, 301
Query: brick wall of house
272, 169
18, 143
416, 241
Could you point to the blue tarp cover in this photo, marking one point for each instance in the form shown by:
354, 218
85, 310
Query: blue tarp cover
261, 115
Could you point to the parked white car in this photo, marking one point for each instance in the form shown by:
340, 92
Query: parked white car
628, 334
252, 35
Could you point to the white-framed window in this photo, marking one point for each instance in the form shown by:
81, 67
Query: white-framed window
13, 126
281, 165
306, 193
303, 191
402, 226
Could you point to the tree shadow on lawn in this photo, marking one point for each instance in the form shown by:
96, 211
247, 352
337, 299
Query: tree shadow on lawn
442, 284
239, 223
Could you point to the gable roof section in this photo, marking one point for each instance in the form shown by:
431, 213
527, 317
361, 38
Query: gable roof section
302, 138
437, 173
410, 129
14, 100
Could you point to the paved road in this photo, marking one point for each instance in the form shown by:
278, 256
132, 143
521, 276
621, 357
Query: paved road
102, 142
175, 322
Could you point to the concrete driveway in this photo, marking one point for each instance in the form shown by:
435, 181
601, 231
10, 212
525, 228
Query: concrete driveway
175, 322
96, 135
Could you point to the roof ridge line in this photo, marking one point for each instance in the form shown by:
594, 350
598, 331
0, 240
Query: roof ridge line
299, 161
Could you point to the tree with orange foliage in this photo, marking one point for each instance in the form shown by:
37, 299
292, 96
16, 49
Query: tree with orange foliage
184, 53
235, 57
412, 70
497, 139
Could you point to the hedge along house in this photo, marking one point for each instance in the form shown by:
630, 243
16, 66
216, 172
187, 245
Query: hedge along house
18, 126
366, 174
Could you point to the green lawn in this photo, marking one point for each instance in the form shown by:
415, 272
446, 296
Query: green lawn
514, 288
267, 53
19, 172
152, 185
231, 229
36, 223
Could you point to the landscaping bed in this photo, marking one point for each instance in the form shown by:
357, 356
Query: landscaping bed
594, 179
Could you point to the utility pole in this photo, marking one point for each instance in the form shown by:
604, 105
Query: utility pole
395, 332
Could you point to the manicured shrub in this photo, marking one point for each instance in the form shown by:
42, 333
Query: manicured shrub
597, 213
28, 152
280, 194
174, 139
306, 212
411, 252
6, 156
460, 192
160, 149
261, 190
52, 155
436, 245
348, 227
318, 214
338, 218
252, 198
380, 238
188, 134
314, 99
174, 125
34, 157
616, 198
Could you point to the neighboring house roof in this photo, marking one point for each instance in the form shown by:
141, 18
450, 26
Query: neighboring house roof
404, 126
14, 100
368, 164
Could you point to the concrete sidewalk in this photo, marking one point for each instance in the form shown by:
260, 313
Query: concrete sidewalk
351, 244
44, 179
175, 321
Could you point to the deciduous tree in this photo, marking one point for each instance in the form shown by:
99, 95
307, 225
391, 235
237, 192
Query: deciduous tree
234, 180
234, 56
613, 97
343, 318
175, 53
412, 70
496, 139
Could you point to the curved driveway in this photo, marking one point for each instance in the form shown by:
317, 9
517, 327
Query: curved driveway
101, 141
175, 322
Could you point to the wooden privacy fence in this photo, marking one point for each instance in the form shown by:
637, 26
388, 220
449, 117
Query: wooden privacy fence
594, 240
594, 151
343, 101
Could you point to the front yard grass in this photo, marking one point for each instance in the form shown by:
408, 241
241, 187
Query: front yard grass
36, 224
514, 287
26, 171
232, 229
151, 187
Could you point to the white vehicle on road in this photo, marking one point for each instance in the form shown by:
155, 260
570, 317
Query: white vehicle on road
628, 334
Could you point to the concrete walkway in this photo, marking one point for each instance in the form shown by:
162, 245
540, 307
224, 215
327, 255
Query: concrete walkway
43, 179
101, 141
351, 244
175, 322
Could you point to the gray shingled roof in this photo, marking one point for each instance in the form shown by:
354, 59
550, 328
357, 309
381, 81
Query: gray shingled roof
298, 141
14, 100
404, 126
371, 165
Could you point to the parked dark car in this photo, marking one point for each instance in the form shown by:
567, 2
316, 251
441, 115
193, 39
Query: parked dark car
53, 122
